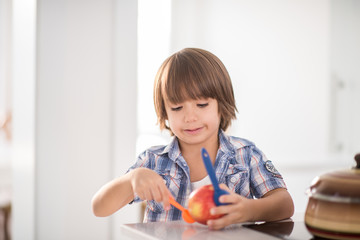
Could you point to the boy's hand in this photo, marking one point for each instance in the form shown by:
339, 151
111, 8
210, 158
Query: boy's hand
275, 205
149, 185
236, 211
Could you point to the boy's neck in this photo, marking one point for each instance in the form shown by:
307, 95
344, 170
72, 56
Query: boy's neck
192, 152
192, 156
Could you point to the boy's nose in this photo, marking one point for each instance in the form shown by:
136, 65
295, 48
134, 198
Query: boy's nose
190, 115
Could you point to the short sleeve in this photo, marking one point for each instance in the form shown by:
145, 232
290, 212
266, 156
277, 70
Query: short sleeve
143, 160
263, 175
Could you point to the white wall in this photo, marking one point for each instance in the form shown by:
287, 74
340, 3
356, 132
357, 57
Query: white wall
73, 116
277, 53
5, 57
345, 76
74, 122
154, 28
282, 57
124, 102
5, 93
23, 161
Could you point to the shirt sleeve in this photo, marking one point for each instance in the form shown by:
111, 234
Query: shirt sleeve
263, 175
143, 160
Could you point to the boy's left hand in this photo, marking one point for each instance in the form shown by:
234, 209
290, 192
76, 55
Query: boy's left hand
237, 210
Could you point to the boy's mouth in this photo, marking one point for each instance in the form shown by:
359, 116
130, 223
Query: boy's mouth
193, 130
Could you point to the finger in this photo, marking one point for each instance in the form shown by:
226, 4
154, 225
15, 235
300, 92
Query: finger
222, 222
166, 201
224, 209
148, 195
216, 224
139, 193
165, 194
156, 194
224, 187
141, 196
229, 198
160, 193
157, 189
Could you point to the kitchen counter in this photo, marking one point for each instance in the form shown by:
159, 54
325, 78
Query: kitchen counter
293, 229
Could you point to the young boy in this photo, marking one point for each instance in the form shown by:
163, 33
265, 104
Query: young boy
194, 100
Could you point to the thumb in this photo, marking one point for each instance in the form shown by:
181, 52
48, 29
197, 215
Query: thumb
224, 187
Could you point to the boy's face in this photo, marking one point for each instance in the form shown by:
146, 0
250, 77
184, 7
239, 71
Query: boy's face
194, 122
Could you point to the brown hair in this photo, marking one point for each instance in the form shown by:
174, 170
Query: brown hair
194, 73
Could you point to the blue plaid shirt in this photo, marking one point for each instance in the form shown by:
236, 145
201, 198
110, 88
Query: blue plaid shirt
239, 164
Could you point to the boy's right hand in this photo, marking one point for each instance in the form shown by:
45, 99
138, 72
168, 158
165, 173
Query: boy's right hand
148, 185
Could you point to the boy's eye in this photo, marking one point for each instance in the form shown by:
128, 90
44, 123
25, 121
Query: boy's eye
202, 105
176, 108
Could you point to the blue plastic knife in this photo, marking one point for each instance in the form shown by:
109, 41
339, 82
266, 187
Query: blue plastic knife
210, 169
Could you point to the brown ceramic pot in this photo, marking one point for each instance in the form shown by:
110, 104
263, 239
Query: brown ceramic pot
333, 209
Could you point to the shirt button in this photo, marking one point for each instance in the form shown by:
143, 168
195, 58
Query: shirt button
233, 179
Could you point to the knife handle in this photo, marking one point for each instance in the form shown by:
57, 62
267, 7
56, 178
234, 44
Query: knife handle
209, 168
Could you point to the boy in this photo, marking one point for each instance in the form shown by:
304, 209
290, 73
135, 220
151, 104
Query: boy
194, 100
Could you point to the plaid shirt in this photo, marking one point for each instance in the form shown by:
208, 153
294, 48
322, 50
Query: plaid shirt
239, 164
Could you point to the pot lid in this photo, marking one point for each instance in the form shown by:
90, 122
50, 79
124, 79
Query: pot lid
341, 185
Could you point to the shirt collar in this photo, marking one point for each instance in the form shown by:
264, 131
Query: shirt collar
225, 145
172, 149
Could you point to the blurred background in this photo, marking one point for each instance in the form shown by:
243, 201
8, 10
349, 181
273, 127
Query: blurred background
76, 106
